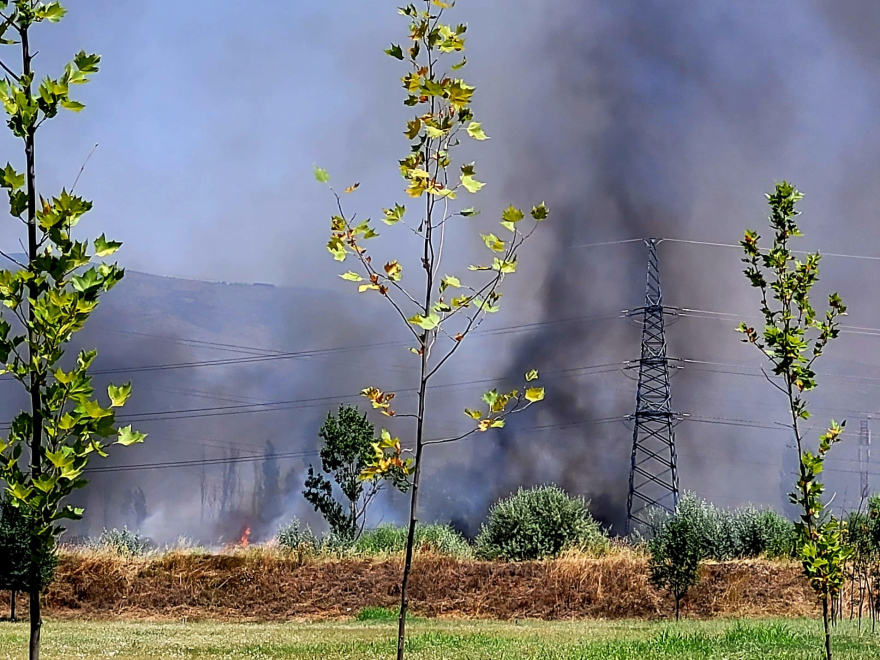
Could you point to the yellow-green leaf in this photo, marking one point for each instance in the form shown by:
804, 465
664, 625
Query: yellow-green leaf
119, 395
45, 483
433, 132
94, 410
104, 248
426, 322
532, 376
351, 276
393, 216
471, 184
475, 130
321, 175
535, 394
337, 248
512, 214
20, 492
473, 414
540, 212
75, 106
62, 377
441, 192
449, 282
493, 242
126, 436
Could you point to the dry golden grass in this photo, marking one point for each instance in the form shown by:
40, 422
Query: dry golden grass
262, 584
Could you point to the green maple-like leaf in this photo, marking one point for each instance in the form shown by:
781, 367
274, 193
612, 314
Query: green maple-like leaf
126, 436
119, 395
512, 215
475, 130
471, 184
448, 282
395, 51
104, 248
493, 242
428, 322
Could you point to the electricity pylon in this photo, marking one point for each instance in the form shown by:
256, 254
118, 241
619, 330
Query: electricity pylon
653, 477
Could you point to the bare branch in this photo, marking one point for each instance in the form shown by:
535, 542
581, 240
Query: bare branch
82, 169
515, 410
772, 382
443, 441
8, 70
17, 263
369, 268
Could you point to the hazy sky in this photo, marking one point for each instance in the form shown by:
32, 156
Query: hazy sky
210, 116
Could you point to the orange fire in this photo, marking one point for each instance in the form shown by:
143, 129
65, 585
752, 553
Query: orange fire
245, 539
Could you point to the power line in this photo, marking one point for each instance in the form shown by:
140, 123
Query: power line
199, 462
271, 406
717, 244
608, 243
870, 379
272, 357
300, 454
734, 245
710, 315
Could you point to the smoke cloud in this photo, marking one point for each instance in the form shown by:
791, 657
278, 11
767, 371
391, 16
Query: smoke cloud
630, 120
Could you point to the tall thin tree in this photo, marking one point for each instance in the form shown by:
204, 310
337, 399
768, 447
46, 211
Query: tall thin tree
793, 338
45, 300
445, 309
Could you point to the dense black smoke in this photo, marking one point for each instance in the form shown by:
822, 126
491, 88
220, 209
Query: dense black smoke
669, 121
631, 120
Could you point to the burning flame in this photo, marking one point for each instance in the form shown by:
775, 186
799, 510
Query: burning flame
245, 539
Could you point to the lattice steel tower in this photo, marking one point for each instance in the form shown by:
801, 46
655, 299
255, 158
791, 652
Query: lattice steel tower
653, 477
864, 459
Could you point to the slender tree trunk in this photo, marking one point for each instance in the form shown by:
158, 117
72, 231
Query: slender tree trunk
424, 375
12, 606
414, 501
36, 620
677, 608
861, 598
871, 602
826, 623
411, 533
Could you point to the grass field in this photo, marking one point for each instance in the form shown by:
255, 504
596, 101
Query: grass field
436, 640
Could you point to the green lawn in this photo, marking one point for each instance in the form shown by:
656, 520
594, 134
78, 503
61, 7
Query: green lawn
436, 640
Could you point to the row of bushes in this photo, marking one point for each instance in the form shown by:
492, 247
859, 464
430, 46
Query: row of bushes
537, 523
723, 535
531, 524
543, 522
